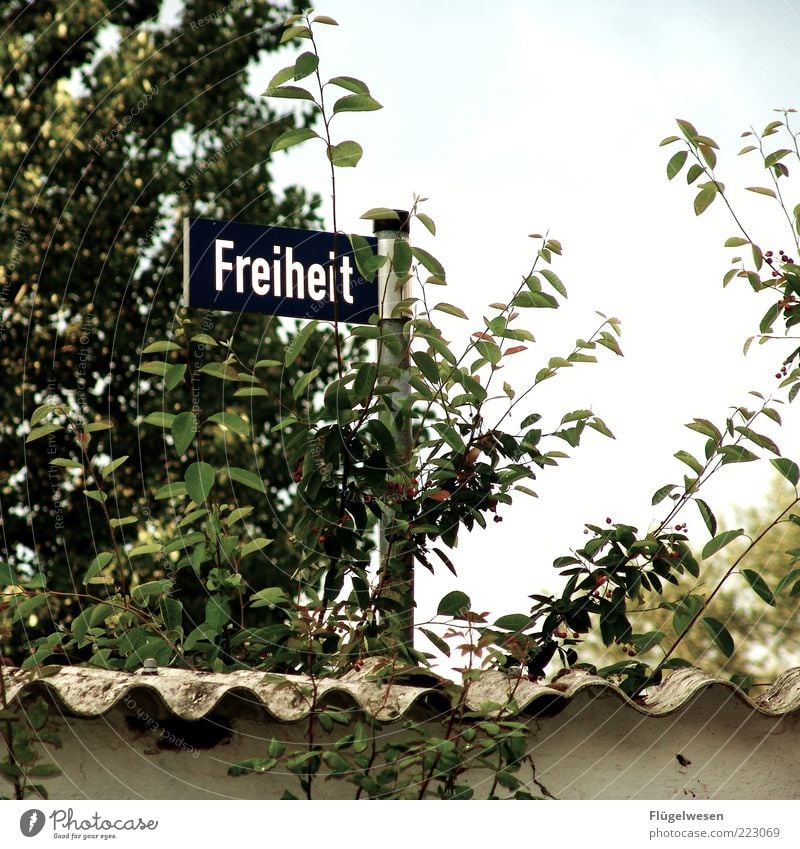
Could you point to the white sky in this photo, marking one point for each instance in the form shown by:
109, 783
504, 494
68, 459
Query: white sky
525, 117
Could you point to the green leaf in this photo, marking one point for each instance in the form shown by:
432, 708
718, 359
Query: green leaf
704, 198
555, 281
246, 478
686, 609
356, 103
95, 495
299, 342
157, 368
324, 19
719, 542
378, 213
784, 582
429, 262
648, 641
451, 310
113, 466
231, 421
708, 517
174, 489
759, 585
66, 463
451, 436
149, 589
346, 154
283, 76
719, 634
364, 256
705, 427
685, 457
761, 190
255, 545
222, 371
676, 163
694, 172
537, 300
427, 365
42, 412
147, 548
184, 428
161, 347
708, 155
736, 454
788, 468
43, 430
268, 597
174, 375
687, 128
350, 84
159, 419
365, 381
759, 439
455, 603
305, 65
292, 92
292, 137
127, 520
97, 565
93, 427
600, 426
199, 479
736, 242
401, 257
8, 577
489, 351
661, 493
251, 392
303, 383
440, 644
427, 222
513, 622
294, 31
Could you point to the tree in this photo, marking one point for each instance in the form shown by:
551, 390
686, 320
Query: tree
122, 126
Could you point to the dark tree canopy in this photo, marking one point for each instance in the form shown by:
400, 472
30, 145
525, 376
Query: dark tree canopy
115, 127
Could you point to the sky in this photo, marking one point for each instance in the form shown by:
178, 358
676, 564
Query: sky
527, 117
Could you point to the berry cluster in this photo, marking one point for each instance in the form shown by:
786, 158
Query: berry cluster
784, 370
785, 259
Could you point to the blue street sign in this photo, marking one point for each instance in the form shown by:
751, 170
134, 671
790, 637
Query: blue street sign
238, 267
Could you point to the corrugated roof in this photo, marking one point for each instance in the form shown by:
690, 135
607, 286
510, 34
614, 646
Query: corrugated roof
91, 692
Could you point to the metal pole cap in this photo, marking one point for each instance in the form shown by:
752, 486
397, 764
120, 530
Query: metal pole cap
400, 224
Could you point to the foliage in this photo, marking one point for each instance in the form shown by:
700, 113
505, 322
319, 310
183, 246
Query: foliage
764, 620
22, 734
425, 439
122, 126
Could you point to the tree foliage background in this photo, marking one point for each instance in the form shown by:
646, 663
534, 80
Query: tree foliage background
114, 128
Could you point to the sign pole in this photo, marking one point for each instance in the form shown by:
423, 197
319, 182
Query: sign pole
396, 560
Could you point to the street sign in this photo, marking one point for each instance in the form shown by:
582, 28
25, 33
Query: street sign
237, 267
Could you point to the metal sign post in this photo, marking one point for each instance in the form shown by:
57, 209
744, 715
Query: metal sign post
396, 560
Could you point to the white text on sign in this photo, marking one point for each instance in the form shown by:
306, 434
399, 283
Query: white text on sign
283, 277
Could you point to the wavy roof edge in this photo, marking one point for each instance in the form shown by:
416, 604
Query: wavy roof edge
189, 695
